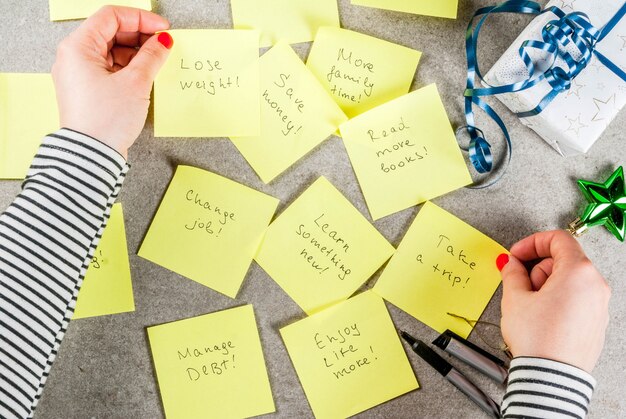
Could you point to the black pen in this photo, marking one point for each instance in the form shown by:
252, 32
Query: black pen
452, 375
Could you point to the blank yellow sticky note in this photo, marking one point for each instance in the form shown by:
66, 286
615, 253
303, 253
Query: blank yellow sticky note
297, 114
442, 266
321, 249
439, 8
211, 366
360, 71
79, 9
291, 21
28, 112
107, 288
405, 152
349, 357
208, 229
209, 86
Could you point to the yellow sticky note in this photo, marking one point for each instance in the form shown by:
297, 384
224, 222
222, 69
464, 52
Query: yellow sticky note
442, 266
291, 21
209, 86
79, 9
208, 228
405, 152
297, 114
321, 249
211, 366
107, 288
22, 97
349, 357
439, 8
359, 71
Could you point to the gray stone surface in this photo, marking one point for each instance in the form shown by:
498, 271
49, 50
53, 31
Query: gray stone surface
104, 367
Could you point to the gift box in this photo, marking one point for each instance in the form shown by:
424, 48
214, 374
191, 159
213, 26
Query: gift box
577, 117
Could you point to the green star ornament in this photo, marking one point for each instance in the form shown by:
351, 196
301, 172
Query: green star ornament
607, 206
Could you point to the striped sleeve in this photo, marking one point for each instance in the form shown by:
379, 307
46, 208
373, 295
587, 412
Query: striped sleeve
542, 388
47, 238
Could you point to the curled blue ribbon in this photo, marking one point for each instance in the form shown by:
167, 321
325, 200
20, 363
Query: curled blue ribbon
572, 28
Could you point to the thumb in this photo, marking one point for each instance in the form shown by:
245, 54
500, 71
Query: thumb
151, 56
515, 278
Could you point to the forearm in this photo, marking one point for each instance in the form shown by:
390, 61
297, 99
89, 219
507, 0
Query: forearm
47, 238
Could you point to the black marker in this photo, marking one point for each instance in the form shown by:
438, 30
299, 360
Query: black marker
453, 376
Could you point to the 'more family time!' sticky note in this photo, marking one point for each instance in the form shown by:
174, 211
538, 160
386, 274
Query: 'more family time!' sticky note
439, 8
360, 71
321, 249
442, 266
404, 152
107, 288
209, 86
79, 9
208, 229
348, 357
211, 366
284, 20
297, 114
20, 132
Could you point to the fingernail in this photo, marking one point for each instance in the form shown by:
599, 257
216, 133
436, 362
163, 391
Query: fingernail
501, 261
166, 40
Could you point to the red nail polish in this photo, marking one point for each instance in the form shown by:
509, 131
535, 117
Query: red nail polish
501, 261
166, 40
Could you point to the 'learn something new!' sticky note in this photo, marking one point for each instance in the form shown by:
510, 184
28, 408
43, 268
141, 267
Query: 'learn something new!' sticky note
297, 114
359, 71
291, 21
21, 97
438, 8
107, 288
211, 366
321, 249
349, 357
209, 86
442, 266
79, 9
208, 228
404, 152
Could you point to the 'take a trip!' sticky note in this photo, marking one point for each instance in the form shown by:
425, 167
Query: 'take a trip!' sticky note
107, 288
442, 266
212, 366
360, 71
297, 114
438, 8
21, 97
321, 249
208, 228
404, 152
209, 86
79, 9
348, 357
291, 21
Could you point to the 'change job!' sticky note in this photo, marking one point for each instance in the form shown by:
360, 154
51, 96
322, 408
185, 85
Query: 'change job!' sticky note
404, 152
211, 366
349, 357
321, 249
442, 266
209, 86
360, 71
208, 229
297, 114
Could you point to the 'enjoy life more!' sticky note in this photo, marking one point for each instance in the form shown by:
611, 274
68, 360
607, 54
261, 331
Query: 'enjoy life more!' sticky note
28, 112
438, 8
404, 152
211, 366
208, 228
359, 71
107, 288
349, 357
442, 266
79, 9
297, 114
291, 21
321, 249
209, 86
